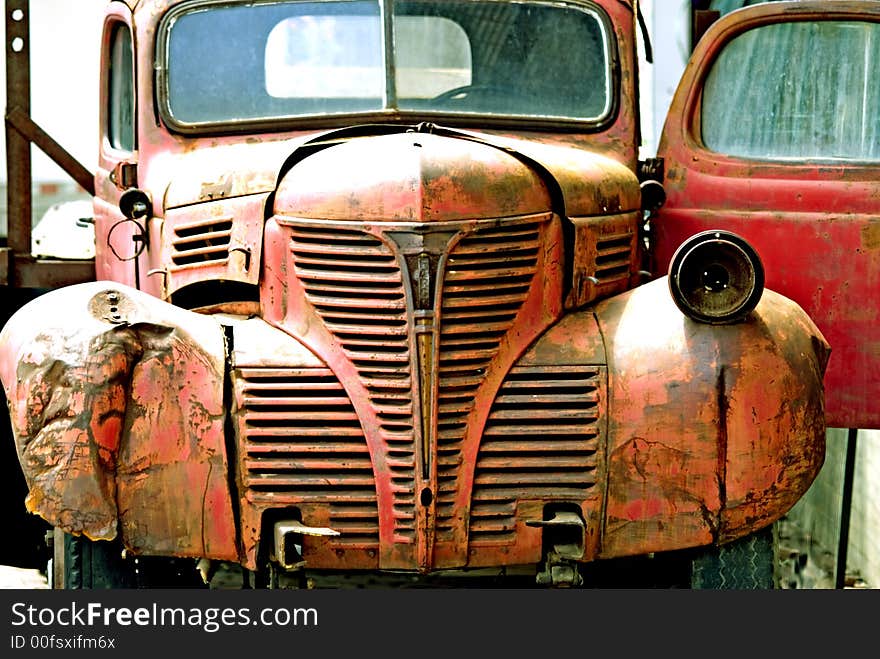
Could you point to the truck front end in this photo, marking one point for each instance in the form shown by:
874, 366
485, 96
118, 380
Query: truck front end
392, 320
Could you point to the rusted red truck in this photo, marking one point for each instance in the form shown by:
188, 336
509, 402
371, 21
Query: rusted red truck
381, 297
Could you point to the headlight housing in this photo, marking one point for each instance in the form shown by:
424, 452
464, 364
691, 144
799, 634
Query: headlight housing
716, 277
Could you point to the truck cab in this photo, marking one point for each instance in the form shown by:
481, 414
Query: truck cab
373, 304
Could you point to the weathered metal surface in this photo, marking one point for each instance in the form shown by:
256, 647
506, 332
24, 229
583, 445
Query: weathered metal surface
592, 178
424, 377
117, 410
702, 445
419, 178
816, 226
677, 473
228, 169
18, 148
213, 241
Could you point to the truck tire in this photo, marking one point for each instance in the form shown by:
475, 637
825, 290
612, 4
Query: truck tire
744, 564
83, 564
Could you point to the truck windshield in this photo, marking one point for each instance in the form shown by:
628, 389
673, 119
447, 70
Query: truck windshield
227, 62
798, 90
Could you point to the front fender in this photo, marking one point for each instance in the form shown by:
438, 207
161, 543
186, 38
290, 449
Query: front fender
116, 401
713, 431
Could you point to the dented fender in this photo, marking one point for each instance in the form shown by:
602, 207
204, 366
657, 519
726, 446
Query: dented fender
116, 400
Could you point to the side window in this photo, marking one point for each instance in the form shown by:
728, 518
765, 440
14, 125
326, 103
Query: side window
120, 93
796, 90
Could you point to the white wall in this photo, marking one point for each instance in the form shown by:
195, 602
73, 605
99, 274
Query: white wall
669, 26
65, 49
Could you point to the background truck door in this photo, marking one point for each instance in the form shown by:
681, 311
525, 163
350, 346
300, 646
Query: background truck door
774, 133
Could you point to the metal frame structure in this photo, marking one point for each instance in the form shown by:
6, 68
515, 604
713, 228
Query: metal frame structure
18, 268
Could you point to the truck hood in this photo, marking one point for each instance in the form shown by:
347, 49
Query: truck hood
486, 171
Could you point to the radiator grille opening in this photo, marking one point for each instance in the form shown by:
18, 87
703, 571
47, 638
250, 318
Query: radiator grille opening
541, 441
303, 443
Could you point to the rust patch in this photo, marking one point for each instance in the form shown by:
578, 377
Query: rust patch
656, 469
70, 419
871, 236
116, 400
216, 189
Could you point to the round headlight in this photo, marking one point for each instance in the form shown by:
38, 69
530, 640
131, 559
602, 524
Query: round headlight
716, 277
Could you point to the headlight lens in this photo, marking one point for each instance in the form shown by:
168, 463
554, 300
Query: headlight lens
716, 277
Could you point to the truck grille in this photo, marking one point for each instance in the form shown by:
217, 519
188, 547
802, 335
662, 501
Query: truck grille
488, 277
353, 281
541, 442
303, 444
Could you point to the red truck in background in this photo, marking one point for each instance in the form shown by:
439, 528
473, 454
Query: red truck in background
367, 312
774, 133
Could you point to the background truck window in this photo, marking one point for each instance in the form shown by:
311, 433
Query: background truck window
799, 90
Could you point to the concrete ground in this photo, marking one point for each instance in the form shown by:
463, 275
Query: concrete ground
21, 578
